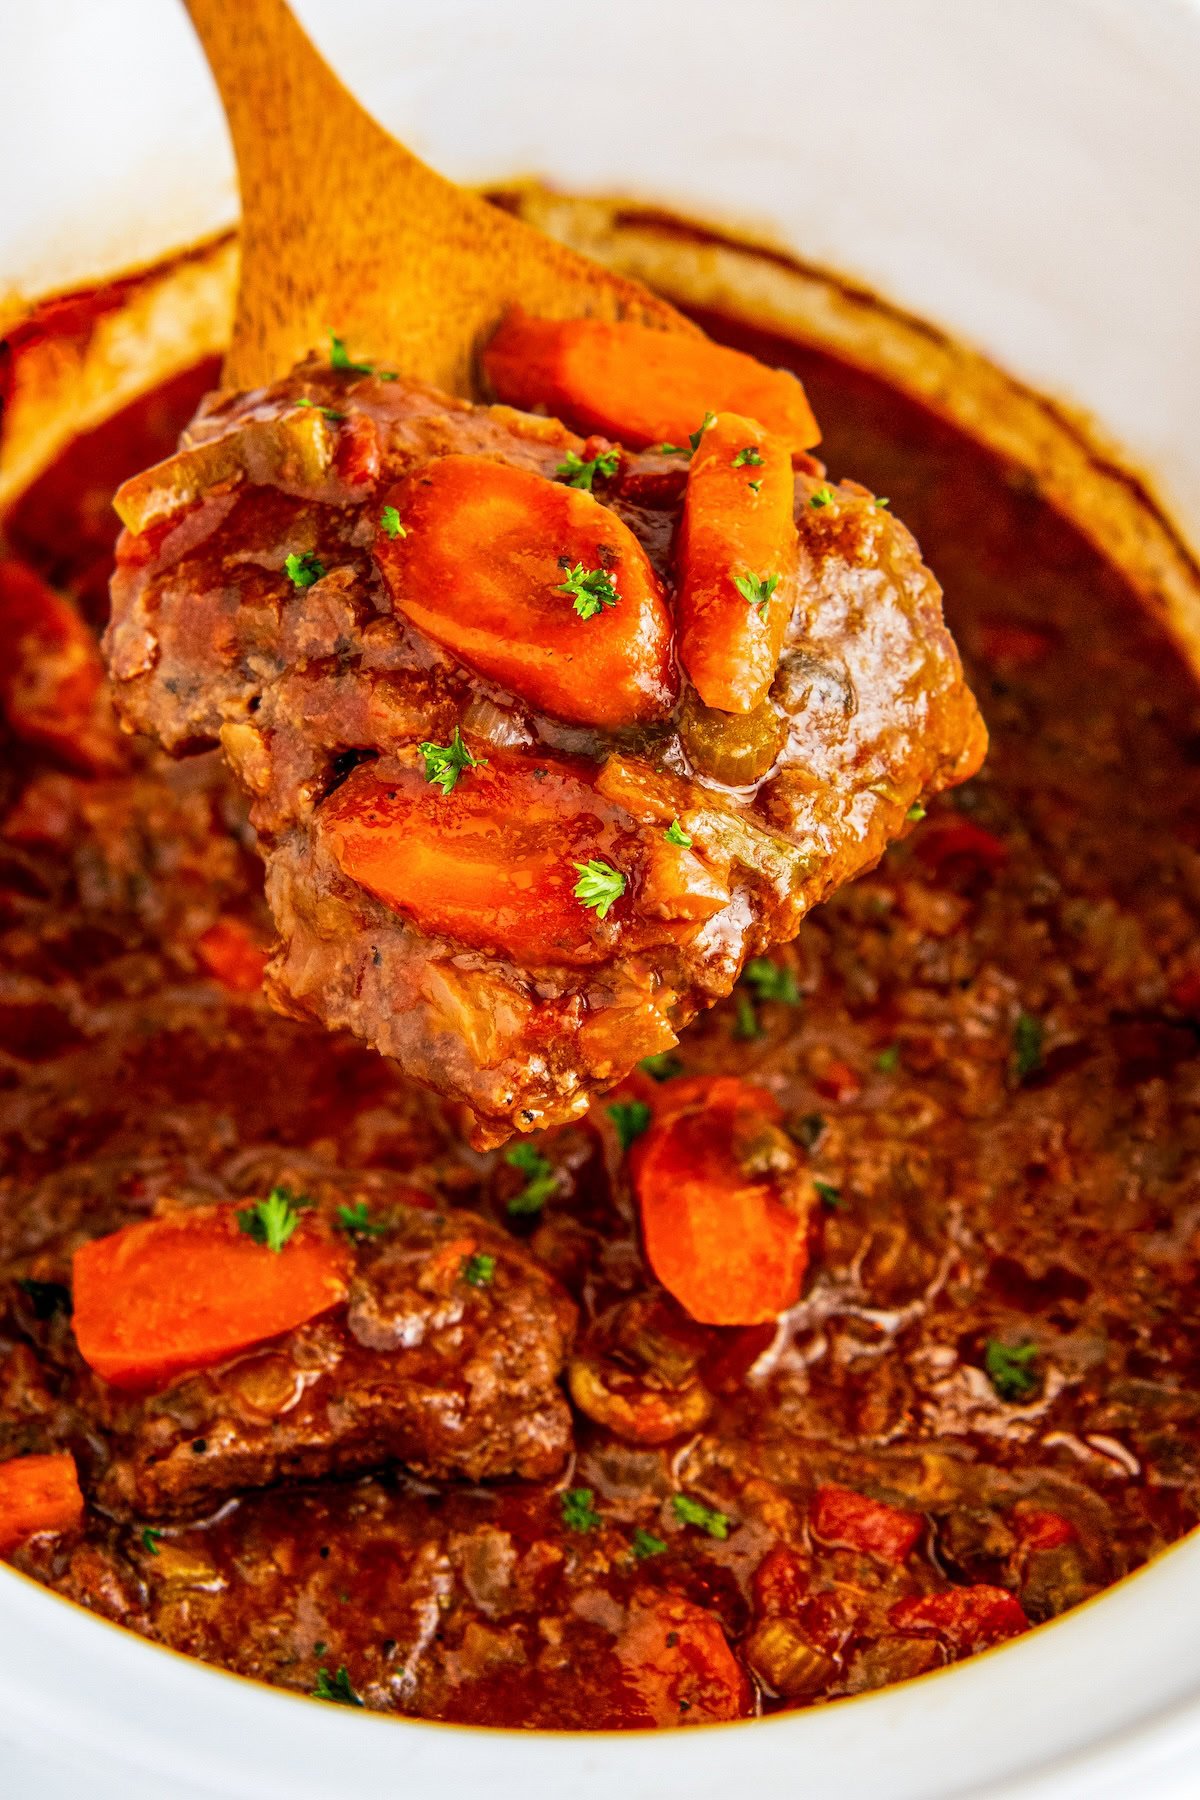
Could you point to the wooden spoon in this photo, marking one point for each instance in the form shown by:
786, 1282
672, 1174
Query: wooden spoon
344, 230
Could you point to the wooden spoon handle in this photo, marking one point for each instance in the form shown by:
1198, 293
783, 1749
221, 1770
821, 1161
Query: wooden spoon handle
344, 230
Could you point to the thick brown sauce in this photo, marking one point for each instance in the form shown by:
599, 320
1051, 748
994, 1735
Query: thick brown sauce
1056, 1207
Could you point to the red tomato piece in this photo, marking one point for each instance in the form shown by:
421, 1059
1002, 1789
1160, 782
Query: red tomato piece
229, 953
479, 565
842, 1516
1039, 1530
967, 1619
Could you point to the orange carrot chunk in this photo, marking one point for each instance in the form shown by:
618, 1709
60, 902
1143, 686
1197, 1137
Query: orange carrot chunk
532, 583
843, 1516
967, 1619
167, 1296
38, 1493
639, 385
493, 861
229, 953
725, 1228
51, 676
673, 1654
737, 561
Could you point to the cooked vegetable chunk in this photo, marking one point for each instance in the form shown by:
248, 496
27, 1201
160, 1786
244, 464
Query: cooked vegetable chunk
640, 386
37, 1493
51, 675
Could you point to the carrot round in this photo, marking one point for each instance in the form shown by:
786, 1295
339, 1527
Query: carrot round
737, 558
167, 1296
38, 1493
491, 863
724, 1232
639, 385
532, 583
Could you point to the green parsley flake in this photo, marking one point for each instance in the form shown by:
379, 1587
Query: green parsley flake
882, 500
662, 1066
749, 457
915, 813
675, 834
151, 1539
745, 1025
705, 1518
822, 497
389, 518
1028, 1041
808, 1129
444, 763
574, 472
335, 1687
591, 589
578, 1512
827, 1194
599, 886
754, 486
757, 589
303, 570
770, 981
888, 1060
478, 1270
272, 1221
631, 1117
646, 1544
1008, 1369
356, 1221
542, 1180
693, 443
326, 412
339, 359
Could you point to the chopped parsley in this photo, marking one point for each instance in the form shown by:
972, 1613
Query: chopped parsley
693, 443
578, 1512
749, 457
827, 1194
1028, 1052
757, 589
574, 472
754, 486
272, 1221
444, 763
807, 1129
478, 1270
389, 519
356, 1221
745, 1023
599, 886
151, 1539
704, 1518
888, 1060
335, 1687
675, 834
822, 497
326, 412
915, 813
882, 500
339, 358
631, 1117
303, 570
662, 1066
542, 1180
646, 1544
770, 981
590, 589
1008, 1369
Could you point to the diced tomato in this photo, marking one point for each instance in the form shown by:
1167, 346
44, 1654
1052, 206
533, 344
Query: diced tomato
479, 564
639, 385
727, 1240
1039, 1530
51, 676
229, 953
780, 1583
947, 840
493, 862
967, 1619
170, 1295
843, 1516
674, 1655
37, 1493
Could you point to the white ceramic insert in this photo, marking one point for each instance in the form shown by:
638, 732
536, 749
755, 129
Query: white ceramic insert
1027, 176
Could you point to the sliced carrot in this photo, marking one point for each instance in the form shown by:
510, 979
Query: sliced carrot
967, 1619
730, 1244
229, 953
493, 862
171, 1295
51, 676
638, 385
843, 1516
478, 555
38, 1493
736, 528
675, 1657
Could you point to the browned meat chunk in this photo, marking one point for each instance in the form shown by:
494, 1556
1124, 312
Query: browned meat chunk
506, 842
